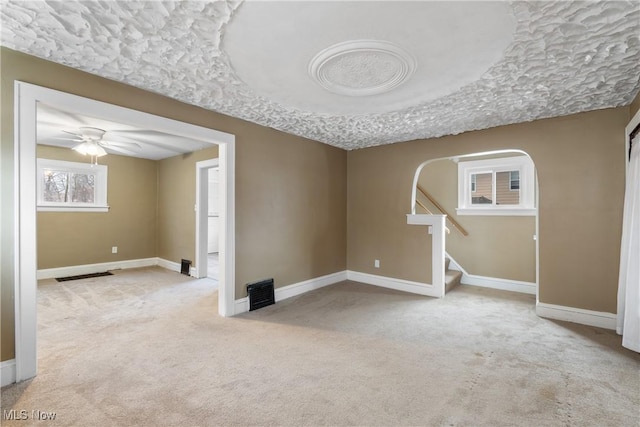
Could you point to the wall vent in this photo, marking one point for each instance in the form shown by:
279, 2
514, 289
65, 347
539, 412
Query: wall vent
261, 294
185, 267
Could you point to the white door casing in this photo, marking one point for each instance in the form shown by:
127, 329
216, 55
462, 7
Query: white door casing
26, 98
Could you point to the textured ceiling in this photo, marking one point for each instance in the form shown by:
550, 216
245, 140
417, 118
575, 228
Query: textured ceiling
358, 73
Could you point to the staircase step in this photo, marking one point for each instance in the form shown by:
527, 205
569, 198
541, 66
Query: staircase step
451, 279
447, 261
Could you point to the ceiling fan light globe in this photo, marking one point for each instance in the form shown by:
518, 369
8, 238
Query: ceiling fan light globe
90, 149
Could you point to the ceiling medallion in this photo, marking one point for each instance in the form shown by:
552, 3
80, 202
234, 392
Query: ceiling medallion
362, 67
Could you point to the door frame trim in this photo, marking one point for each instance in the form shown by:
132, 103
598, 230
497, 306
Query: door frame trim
26, 98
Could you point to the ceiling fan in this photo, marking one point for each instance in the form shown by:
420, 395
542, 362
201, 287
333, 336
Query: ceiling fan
90, 142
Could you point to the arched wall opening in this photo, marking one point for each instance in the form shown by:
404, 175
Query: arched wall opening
491, 250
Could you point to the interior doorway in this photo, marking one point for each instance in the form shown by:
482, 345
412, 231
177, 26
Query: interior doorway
26, 100
208, 248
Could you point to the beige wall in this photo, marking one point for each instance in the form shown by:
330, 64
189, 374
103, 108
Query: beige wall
497, 246
290, 194
176, 201
290, 191
379, 187
76, 238
151, 213
579, 160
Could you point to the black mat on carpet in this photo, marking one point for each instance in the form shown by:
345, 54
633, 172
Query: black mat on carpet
83, 276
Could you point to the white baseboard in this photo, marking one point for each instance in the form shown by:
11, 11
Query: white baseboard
496, 283
309, 285
7, 372
577, 315
492, 282
75, 270
391, 283
242, 304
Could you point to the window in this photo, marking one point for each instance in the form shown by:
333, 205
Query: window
514, 180
71, 186
503, 186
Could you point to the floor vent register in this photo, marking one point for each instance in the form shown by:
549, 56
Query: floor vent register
83, 276
261, 294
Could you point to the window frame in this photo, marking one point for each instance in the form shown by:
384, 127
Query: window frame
522, 164
100, 197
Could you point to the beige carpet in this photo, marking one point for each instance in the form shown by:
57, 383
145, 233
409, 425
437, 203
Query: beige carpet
144, 347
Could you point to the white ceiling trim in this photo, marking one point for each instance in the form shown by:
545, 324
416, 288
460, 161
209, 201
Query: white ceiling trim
565, 57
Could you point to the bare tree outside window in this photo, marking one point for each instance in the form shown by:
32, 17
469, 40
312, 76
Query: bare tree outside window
82, 188
63, 186
71, 186
56, 186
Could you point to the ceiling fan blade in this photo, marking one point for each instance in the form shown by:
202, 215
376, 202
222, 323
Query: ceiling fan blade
118, 149
72, 133
119, 144
67, 139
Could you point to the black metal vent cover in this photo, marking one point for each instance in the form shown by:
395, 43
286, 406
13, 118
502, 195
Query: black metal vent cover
260, 294
185, 267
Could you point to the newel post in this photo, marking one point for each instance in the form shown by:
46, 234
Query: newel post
436, 227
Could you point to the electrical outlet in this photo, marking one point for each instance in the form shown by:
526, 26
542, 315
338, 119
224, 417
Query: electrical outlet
114, 249
376, 263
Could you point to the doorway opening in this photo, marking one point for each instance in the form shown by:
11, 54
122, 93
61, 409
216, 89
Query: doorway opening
208, 248
26, 101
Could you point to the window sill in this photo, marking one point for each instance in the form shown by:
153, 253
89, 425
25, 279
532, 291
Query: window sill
45, 208
497, 211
